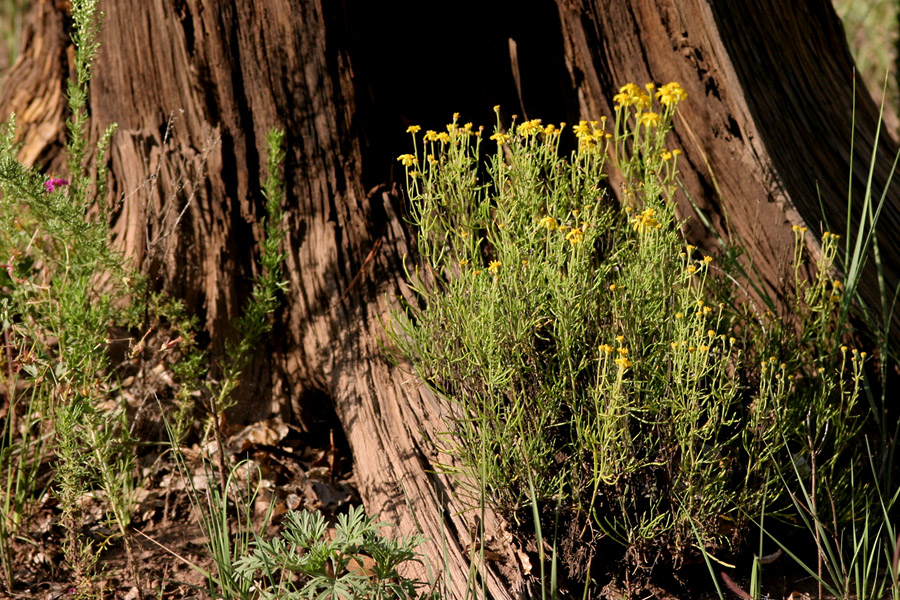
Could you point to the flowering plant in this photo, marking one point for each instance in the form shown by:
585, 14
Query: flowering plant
581, 349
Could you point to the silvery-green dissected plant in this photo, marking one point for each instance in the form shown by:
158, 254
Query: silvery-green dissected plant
581, 347
356, 562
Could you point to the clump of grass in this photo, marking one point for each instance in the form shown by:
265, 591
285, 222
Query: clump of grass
583, 350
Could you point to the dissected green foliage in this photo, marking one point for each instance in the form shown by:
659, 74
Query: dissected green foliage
357, 562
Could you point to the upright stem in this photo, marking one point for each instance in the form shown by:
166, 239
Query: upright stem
812, 499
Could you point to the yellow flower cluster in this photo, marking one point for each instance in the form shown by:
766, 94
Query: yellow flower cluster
589, 133
648, 119
530, 128
576, 236
645, 221
668, 95
671, 94
494, 266
433, 136
551, 129
631, 95
622, 361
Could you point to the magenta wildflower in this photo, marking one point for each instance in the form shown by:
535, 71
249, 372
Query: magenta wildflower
53, 182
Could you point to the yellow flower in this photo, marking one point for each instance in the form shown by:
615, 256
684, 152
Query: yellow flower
582, 130
643, 102
494, 266
443, 138
408, 160
606, 348
691, 269
665, 155
576, 236
645, 221
620, 338
628, 94
671, 94
707, 259
464, 262
648, 119
455, 116
500, 138
431, 136
413, 129
496, 108
548, 222
623, 362
530, 128
622, 351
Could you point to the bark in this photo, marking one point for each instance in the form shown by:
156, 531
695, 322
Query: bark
194, 86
